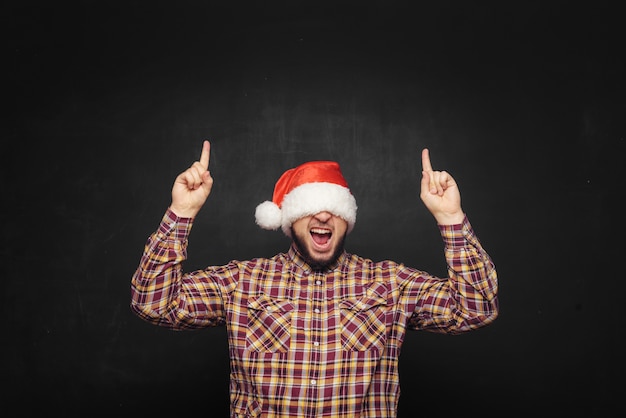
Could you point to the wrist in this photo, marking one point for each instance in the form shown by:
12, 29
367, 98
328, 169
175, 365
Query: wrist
183, 212
450, 218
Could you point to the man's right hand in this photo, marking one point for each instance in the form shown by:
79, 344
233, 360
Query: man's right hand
193, 186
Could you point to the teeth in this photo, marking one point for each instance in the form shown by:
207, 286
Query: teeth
320, 231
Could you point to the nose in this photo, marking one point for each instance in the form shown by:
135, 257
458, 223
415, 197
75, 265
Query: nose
323, 216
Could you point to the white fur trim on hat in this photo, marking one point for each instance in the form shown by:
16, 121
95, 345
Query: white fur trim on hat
312, 198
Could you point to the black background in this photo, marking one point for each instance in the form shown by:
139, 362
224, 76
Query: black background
523, 102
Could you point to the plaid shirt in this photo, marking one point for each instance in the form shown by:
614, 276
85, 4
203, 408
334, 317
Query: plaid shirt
307, 343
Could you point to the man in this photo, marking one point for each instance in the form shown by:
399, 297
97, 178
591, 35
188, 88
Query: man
315, 331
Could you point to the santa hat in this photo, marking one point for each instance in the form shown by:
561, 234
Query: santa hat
311, 188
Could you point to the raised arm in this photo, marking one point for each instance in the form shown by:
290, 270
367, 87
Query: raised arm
161, 293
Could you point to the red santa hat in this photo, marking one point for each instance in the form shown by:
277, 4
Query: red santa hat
310, 188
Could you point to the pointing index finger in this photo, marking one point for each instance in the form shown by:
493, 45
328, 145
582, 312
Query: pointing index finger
204, 157
426, 160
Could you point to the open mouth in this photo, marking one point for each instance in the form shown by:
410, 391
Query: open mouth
321, 236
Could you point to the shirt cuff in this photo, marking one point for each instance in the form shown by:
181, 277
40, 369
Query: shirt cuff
457, 235
175, 226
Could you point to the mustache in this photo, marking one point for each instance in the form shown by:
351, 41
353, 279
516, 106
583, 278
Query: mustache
317, 224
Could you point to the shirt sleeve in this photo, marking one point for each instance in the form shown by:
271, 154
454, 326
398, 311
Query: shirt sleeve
468, 298
161, 294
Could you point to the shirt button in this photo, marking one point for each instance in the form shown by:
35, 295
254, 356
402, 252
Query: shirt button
316, 310
318, 282
316, 343
313, 382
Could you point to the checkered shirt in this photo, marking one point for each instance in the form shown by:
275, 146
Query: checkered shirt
306, 343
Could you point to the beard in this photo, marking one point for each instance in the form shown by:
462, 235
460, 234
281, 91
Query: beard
317, 263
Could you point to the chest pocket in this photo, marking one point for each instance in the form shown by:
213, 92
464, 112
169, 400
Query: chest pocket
363, 321
269, 324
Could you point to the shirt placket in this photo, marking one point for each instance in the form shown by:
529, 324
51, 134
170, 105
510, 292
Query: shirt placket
316, 338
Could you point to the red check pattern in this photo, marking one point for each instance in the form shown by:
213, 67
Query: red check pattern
306, 343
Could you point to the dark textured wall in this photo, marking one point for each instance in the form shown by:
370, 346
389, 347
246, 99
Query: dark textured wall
109, 101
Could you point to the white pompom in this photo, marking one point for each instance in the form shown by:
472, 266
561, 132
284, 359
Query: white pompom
268, 215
